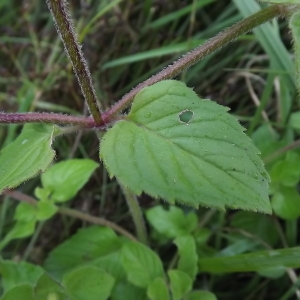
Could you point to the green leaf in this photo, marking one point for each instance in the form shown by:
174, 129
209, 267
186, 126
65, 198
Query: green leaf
267, 140
48, 288
28, 155
172, 222
287, 170
286, 203
88, 283
25, 215
14, 274
25, 212
188, 257
126, 290
46, 210
141, 264
201, 295
66, 178
84, 247
252, 262
20, 230
158, 290
207, 161
25, 290
180, 284
41, 193
294, 121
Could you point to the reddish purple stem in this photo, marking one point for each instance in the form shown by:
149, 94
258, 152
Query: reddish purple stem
21, 118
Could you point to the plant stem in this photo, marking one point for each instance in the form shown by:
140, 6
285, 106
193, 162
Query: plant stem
222, 39
136, 214
65, 28
21, 118
73, 213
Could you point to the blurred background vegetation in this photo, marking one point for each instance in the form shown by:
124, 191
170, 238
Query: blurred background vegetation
124, 43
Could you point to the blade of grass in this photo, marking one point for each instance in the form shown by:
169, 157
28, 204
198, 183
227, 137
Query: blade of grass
252, 262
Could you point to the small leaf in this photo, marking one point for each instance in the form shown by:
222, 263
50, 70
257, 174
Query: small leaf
46, 209
157, 290
88, 283
295, 27
25, 290
48, 288
286, 171
25, 212
66, 178
252, 262
14, 274
141, 264
209, 161
84, 247
286, 203
28, 155
201, 295
294, 121
172, 222
188, 257
125, 290
20, 230
180, 284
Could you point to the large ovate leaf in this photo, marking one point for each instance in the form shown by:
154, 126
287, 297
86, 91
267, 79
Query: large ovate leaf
28, 155
178, 147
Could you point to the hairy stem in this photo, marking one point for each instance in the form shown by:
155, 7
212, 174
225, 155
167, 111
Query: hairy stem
65, 28
73, 213
22, 118
222, 39
136, 214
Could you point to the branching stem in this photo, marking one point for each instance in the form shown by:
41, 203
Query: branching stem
222, 39
74, 213
22, 118
65, 28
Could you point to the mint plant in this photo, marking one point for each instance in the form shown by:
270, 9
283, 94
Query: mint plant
172, 145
